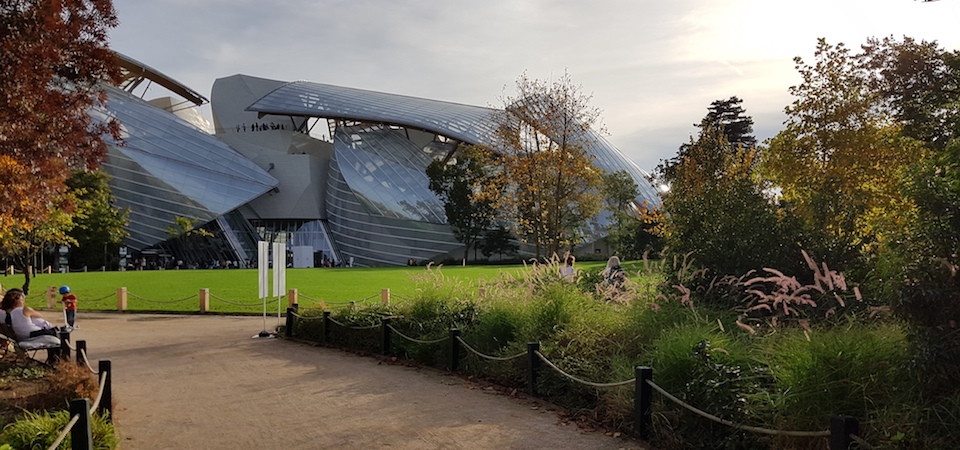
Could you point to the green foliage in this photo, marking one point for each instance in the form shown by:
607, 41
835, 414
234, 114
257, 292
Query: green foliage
550, 186
723, 388
498, 241
23, 372
918, 84
717, 210
461, 185
40, 430
99, 227
840, 370
837, 161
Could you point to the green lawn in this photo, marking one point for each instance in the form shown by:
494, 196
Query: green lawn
235, 290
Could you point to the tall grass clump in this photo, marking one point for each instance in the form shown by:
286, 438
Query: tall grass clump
853, 370
714, 370
40, 430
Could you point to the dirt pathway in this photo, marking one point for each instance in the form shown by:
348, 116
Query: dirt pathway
203, 382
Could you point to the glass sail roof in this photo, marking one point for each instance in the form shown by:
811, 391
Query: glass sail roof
466, 123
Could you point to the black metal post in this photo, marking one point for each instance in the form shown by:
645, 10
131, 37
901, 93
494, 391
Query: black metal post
296, 307
65, 346
81, 352
642, 401
81, 435
288, 329
454, 350
385, 322
841, 427
106, 400
533, 367
326, 327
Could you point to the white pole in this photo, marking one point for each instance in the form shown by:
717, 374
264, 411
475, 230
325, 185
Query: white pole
279, 270
263, 264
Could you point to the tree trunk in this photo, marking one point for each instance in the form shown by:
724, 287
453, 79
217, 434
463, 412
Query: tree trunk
27, 271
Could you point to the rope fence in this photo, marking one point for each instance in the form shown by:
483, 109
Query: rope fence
259, 303
99, 299
418, 341
351, 327
79, 427
161, 302
122, 295
758, 430
343, 302
843, 432
489, 357
581, 381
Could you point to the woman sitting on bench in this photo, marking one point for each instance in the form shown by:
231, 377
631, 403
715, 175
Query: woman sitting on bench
24, 320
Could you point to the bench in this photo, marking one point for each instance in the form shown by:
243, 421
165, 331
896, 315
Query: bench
28, 348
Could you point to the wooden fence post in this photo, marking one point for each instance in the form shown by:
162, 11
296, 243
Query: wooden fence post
121, 299
81, 353
81, 435
288, 329
64, 346
642, 401
533, 367
385, 296
841, 427
204, 295
292, 297
454, 349
51, 297
106, 400
326, 327
385, 325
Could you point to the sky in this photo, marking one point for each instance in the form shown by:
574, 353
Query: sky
651, 67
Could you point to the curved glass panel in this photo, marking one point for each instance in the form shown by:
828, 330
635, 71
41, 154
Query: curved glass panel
386, 171
462, 122
167, 167
374, 239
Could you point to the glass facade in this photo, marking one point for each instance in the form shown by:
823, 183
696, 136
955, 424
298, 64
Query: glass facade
166, 167
379, 208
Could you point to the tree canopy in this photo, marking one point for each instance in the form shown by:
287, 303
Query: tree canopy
463, 187
551, 184
838, 158
54, 55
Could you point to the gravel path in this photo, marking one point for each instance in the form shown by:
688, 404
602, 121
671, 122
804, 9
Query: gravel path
203, 382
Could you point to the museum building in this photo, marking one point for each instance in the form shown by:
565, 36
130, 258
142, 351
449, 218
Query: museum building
336, 173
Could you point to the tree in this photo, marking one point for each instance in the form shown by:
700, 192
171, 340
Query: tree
919, 84
23, 243
724, 116
551, 184
498, 241
838, 157
53, 54
717, 210
99, 227
630, 235
462, 186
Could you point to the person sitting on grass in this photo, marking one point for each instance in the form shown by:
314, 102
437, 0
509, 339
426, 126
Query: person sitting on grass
568, 272
613, 274
26, 322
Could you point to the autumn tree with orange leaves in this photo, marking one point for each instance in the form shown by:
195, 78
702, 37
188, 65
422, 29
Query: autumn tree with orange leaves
552, 185
53, 54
